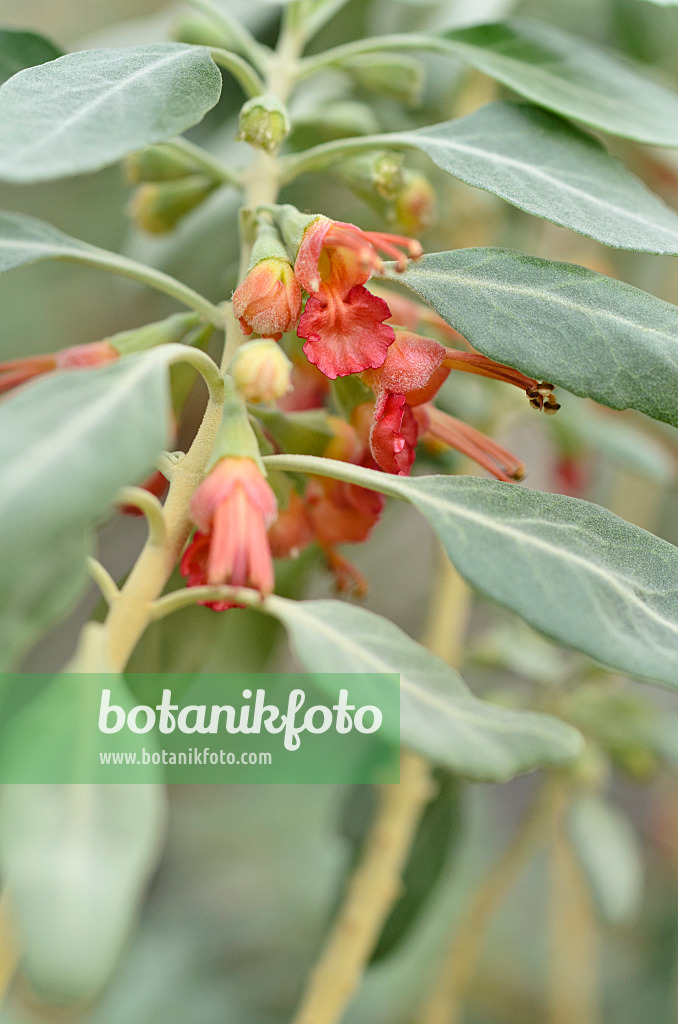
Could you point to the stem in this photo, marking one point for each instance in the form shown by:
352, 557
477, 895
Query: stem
244, 73
151, 508
103, 579
372, 891
378, 44
319, 157
92, 256
574, 937
445, 1002
245, 42
179, 599
213, 166
372, 479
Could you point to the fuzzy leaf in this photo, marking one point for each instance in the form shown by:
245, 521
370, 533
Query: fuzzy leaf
542, 164
88, 109
593, 335
19, 50
68, 442
439, 715
574, 571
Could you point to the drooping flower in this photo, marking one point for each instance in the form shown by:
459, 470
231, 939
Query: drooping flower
343, 323
269, 299
232, 509
414, 369
18, 371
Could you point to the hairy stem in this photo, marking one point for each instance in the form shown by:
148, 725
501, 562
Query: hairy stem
372, 891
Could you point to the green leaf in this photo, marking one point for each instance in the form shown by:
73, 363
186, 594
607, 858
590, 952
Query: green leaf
575, 571
440, 717
595, 336
543, 165
571, 76
88, 109
610, 857
76, 860
68, 442
19, 50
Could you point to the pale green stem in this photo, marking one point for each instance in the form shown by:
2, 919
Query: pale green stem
244, 73
319, 157
91, 256
213, 166
336, 470
179, 599
378, 44
103, 580
203, 363
245, 42
151, 508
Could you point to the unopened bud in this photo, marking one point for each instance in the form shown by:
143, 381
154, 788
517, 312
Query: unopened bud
372, 174
164, 162
401, 78
261, 371
264, 123
158, 207
269, 299
415, 207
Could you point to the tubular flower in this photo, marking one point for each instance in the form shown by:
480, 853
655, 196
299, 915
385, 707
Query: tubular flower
233, 508
343, 323
413, 371
18, 371
269, 299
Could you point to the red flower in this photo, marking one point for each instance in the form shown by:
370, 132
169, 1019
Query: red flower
394, 434
343, 322
233, 508
18, 371
269, 299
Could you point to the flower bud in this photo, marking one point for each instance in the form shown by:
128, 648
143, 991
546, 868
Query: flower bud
158, 207
269, 299
261, 371
415, 207
164, 162
400, 77
371, 174
264, 123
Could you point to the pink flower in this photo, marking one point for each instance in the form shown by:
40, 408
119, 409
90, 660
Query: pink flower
343, 322
269, 299
233, 509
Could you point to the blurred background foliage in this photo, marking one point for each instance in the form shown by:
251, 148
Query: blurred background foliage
250, 875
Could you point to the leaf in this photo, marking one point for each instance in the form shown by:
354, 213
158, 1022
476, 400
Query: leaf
595, 336
543, 165
19, 50
610, 857
440, 717
68, 442
88, 109
574, 571
569, 75
27, 240
76, 860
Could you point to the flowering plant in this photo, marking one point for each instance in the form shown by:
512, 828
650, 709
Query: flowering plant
332, 362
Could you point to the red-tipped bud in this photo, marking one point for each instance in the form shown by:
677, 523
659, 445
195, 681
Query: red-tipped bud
18, 371
269, 299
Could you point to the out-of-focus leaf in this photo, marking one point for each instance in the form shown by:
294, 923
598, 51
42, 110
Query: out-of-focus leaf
437, 836
68, 442
609, 854
574, 571
544, 165
88, 109
595, 336
439, 717
19, 50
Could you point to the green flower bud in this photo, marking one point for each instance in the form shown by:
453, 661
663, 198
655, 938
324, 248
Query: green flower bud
264, 123
372, 174
157, 207
261, 371
402, 78
164, 162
